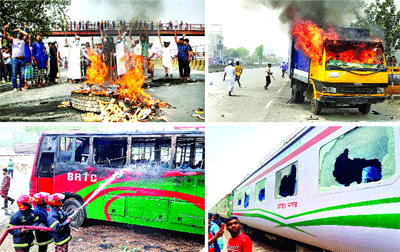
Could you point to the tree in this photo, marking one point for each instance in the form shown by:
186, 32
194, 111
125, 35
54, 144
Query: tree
42, 16
240, 52
383, 21
259, 53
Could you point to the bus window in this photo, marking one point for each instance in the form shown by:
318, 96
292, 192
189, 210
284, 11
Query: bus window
110, 151
189, 153
67, 150
151, 150
260, 191
46, 165
82, 150
286, 181
362, 155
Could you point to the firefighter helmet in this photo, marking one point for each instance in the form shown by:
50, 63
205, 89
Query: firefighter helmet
55, 199
40, 198
24, 202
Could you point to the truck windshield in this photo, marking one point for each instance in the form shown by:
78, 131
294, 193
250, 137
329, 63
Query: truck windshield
354, 55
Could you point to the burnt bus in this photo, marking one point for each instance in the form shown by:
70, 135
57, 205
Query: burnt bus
153, 179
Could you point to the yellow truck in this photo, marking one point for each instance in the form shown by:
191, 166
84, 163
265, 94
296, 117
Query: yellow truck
352, 72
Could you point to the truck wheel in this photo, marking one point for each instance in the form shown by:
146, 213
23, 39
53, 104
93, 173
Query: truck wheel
72, 204
316, 106
364, 109
297, 95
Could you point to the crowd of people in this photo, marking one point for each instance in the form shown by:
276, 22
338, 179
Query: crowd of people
113, 25
32, 63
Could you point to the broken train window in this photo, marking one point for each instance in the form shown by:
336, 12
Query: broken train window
247, 197
110, 151
239, 199
151, 151
286, 181
260, 191
362, 155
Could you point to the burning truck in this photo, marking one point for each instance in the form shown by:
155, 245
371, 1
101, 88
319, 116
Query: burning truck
338, 67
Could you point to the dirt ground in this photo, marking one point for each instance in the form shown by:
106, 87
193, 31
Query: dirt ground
104, 236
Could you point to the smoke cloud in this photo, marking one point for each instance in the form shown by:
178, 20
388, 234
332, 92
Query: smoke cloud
321, 12
139, 9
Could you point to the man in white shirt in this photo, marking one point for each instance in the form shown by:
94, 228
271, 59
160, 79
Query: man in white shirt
229, 76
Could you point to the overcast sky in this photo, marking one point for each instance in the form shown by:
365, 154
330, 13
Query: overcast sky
250, 25
236, 151
190, 11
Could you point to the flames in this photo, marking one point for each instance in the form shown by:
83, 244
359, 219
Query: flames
310, 38
130, 101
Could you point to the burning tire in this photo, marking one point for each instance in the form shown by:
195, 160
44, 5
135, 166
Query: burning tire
87, 103
72, 204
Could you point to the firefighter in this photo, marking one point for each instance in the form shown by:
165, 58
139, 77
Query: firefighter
23, 238
43, 239
59, 221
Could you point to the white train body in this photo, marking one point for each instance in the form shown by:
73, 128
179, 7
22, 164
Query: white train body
319, 210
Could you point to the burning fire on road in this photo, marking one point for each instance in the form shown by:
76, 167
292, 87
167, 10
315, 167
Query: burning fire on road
117, 100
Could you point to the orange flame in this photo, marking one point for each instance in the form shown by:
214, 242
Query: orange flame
97, 71
311, 38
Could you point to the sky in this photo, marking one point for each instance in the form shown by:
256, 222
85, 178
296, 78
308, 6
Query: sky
251, 25
236, 151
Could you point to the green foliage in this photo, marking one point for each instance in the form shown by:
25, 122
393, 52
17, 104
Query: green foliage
42, 16
240, 52
259, 53
383, 21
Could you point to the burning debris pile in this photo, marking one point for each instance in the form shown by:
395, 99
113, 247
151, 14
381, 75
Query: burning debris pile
117, 100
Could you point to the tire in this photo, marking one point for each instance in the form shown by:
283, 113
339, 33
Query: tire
316, 106
72, 204
297, 95
364, 109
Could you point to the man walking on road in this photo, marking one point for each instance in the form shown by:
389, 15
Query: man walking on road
239, 242
5, 187
268, 74
229, 76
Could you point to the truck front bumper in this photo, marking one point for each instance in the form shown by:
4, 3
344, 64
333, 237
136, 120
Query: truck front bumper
351, 100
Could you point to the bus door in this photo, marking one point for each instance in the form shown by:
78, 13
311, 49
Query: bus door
110, 154
45, 164
189, 158
72, 164
150, 158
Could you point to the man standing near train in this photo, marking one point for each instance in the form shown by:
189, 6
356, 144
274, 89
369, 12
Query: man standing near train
239, 242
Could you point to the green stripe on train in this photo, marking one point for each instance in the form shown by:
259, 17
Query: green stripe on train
350, 205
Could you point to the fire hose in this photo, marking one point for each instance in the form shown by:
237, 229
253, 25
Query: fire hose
47, 229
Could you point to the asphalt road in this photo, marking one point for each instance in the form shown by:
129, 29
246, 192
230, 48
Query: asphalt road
252, 103
42, 104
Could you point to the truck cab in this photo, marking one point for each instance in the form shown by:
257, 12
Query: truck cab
350, 73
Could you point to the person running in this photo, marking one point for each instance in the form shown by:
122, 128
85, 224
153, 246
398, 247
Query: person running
268, 74
43, 239
239, 72
229, 76
23, 238
284, 67
239, 242
5, 187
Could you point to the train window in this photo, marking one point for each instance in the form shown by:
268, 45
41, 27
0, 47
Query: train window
260, 191
247, 197
239, 199
110, 151
286, 181
362, 155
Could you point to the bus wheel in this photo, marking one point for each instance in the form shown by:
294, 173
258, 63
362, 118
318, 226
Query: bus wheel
364, 109
316, 106
72, 204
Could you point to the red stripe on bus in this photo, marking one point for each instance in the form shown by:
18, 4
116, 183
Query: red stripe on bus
152, 192
237, 214
298, 151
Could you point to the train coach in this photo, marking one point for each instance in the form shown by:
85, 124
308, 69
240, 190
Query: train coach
335, 188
